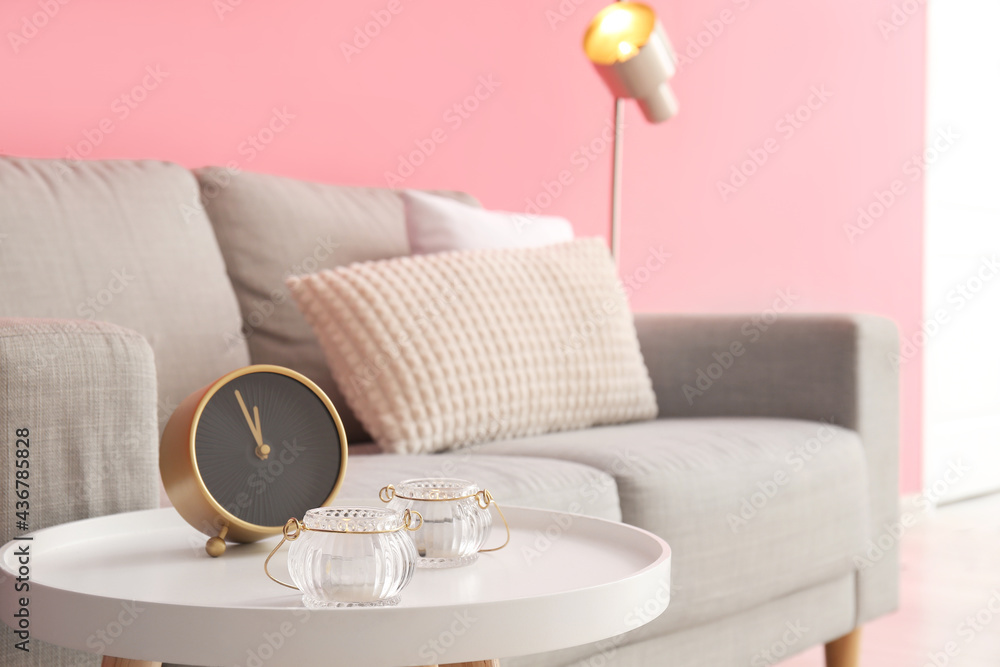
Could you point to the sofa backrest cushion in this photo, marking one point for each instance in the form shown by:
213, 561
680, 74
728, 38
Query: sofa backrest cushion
271, 227
125, 242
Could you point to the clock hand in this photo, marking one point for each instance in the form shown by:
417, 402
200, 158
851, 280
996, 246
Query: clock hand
250, 422
261, 450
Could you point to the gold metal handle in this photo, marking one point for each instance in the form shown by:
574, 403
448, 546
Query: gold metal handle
485, 499
408, 520
293, 528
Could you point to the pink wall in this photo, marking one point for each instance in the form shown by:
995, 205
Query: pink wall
84, 76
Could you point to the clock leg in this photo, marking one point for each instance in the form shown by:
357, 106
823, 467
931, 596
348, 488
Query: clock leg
216, 546
125, 662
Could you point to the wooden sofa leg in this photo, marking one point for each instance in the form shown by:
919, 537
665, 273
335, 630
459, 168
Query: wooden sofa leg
124, 662
845, 651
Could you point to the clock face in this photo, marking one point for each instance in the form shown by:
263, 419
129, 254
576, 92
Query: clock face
267, 448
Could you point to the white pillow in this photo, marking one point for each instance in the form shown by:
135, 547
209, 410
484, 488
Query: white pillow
439, 224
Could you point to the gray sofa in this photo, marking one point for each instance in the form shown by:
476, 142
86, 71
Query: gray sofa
768, 481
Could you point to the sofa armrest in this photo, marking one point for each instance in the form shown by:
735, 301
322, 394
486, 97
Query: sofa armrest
833, 368
85, 395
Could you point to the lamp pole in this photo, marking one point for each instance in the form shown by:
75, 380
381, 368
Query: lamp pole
616, 180
631, 51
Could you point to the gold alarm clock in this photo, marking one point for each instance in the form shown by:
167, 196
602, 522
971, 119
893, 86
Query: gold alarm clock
255, 447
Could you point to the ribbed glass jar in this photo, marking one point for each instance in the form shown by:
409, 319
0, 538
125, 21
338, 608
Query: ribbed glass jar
456, 525
366, 563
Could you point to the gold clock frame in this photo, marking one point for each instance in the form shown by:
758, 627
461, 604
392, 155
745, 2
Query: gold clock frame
182, 479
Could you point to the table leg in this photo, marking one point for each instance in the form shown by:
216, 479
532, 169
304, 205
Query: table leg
125, 662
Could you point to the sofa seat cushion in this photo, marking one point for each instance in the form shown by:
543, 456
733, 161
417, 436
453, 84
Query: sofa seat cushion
513, 480
753, 509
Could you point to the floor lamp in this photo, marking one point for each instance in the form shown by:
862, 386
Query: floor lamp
630, 50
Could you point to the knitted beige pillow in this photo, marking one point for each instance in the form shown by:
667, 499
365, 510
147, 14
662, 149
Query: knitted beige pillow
443, 350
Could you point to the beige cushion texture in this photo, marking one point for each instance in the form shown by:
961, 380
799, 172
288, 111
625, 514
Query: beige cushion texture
270, 227
86, 392
124, 242
438, 351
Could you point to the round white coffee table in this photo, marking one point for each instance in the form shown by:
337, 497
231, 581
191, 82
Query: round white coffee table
140, 586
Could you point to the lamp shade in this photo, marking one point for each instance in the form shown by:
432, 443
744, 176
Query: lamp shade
630, 50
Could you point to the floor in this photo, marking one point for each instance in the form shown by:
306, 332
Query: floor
950, 581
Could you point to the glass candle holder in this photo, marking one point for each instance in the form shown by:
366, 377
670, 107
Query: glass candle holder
351, 556
456, 519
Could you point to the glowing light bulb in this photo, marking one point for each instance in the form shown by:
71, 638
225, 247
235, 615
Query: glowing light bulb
616, 21
625, 48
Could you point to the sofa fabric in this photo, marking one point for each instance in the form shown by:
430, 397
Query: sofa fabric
738, 500
549, 484
86, 393
169, 301
819, 367
124, 242
439, 351
271, 227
